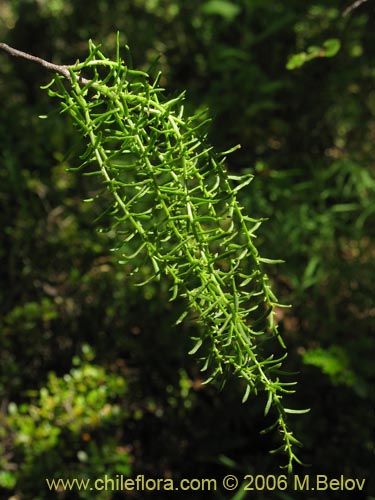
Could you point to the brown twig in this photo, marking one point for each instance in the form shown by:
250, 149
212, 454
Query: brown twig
61, 69
353, 6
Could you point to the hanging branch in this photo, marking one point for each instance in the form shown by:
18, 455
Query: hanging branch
60, 69
175, 206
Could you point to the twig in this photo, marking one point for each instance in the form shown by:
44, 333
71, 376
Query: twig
62, 69
353, 6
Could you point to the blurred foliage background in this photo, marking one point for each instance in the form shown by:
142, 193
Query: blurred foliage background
94, 377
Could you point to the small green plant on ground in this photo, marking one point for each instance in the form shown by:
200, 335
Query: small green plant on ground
174, 208
64, 429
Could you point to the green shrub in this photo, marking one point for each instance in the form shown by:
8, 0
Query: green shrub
63, 432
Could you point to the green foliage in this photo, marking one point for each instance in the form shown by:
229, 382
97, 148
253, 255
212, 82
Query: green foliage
335, 363
225, 9
329, 49
306, 135
174, 205
77, 408
319, 18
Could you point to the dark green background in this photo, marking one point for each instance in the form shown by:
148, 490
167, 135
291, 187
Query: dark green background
123, 396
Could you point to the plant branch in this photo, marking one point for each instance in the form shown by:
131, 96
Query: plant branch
175, 204
353, 6
61, 69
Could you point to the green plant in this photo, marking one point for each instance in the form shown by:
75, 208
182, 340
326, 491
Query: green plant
76, 409
329, 49
174, 207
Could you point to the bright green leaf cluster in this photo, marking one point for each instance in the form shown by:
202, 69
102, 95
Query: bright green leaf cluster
174, 204
79, 402
329, 49
227, 10
73, 409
